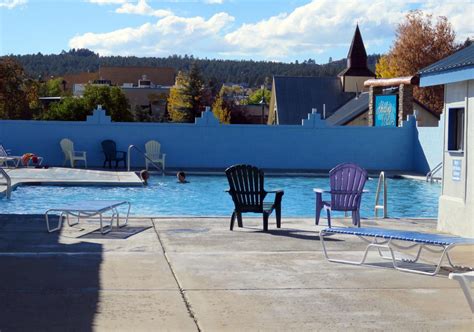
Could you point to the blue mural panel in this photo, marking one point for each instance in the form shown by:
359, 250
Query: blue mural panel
386, 111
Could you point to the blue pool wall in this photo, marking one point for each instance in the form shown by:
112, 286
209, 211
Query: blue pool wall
207, 144
428, 147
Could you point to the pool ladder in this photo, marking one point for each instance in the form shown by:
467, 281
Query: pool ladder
7, 183
382, 182
158, 167
430, 177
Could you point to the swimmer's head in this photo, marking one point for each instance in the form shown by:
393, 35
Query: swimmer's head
144, 175
181, 176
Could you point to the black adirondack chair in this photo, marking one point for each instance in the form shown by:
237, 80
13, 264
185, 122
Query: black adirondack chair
111, 154
247, 191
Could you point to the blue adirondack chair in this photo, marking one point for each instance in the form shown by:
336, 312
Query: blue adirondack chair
347, 185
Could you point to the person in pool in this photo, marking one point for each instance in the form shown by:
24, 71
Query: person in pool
181, 177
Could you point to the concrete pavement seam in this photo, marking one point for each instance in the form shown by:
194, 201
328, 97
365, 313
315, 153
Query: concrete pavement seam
181, 290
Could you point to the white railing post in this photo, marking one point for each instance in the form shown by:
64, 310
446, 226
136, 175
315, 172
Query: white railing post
144, 154
8, 182
382, 182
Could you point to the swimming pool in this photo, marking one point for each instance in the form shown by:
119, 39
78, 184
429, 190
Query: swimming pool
205, 196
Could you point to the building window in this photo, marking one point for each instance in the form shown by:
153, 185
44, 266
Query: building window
456, 129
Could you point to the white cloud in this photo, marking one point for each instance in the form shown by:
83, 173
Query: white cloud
318, 29
10, 4
214, 2
323, 25
459, 13
108, 2
169, 35
142, 8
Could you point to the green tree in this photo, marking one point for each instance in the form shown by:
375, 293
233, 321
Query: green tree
68, 109
186, 96
256, 96
142, 114
13, 97
195, 89
52, 88
112, 100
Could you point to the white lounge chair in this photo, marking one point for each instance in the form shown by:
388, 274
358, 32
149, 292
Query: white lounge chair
88, 209
465, 279
70, 155
152, 151
5, 157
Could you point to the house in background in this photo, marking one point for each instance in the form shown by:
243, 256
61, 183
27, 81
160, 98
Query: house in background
294, 97
393, 97
350, 99
456, 203
144, 87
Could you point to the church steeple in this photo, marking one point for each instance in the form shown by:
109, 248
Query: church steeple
357, 72
357, 57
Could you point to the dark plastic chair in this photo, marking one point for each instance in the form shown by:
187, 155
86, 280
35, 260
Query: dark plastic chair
347, 185
111, 154
247, 192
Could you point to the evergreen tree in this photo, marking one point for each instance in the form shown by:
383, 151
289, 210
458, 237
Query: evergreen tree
142, 114
185, 100
178, 101
195, 90
13, 97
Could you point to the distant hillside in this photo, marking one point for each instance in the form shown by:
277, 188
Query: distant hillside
219, 71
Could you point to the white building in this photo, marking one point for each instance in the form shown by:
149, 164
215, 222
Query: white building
456, 204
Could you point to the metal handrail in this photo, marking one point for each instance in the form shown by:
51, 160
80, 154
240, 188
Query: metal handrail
436, 169
8, 182
382, 181
158, 167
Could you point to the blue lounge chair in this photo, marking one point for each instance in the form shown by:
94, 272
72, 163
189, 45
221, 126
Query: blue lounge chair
388, 239
347, 185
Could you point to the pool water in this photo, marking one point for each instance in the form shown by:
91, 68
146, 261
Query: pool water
205, 196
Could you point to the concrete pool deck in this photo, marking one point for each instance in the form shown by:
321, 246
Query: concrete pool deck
193, 274
70, 176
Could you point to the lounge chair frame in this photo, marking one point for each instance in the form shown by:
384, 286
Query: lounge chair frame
76, 210
465, 279
386, 242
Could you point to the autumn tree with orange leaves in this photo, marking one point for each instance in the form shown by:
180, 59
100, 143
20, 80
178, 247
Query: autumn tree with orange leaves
419, 42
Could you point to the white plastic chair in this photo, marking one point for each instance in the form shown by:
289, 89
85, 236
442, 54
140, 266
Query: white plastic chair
152, 151
70, 155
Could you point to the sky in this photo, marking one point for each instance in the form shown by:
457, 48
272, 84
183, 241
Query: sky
273, 30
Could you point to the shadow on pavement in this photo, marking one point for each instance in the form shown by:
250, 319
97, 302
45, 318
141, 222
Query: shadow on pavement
46, 285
